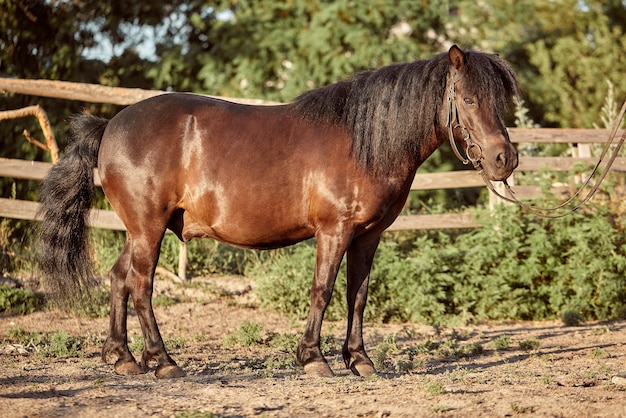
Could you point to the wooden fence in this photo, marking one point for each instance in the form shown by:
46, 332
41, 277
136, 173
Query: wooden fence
32, 170
580, 138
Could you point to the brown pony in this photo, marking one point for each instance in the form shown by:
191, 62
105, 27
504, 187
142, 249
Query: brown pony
336, 164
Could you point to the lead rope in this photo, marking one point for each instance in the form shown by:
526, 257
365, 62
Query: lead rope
455, 122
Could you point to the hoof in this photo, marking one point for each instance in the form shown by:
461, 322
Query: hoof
169, 371
127, 368
363, 369
318, 369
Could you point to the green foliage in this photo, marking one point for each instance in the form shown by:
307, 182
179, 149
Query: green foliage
531, 344
19, 301
572, 319
503, 342
63, 345
562, 51
57, 344
247, 335
517, 266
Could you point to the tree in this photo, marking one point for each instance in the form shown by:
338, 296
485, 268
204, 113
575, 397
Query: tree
563, 50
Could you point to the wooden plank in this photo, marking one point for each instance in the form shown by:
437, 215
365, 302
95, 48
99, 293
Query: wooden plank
94, 93
31, 170
436, 221
564, 163
447, 180
558, 135
535, 192
35, 170
27, 210
21, 169
23, 209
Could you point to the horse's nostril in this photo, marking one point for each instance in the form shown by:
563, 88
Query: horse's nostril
501, 160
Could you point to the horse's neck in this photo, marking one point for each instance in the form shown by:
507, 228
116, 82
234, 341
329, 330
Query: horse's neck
426, 148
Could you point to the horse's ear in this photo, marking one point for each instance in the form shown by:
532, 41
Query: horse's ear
457, 57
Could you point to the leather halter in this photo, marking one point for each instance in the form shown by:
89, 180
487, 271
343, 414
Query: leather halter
454, 122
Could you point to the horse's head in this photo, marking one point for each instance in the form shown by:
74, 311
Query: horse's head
479, 86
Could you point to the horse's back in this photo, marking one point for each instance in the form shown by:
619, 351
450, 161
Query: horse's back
247, 175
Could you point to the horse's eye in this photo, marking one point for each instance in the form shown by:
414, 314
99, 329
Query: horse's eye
468, 101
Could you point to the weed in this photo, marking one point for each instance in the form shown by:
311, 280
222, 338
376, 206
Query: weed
136, 343
163, 301
287, 343
19, 301
173, 343
63, 345
440, 409
503, 342
469, 350
530, 344
572, 318
518, 409
247, 335
434, 387
599, 353
381, 351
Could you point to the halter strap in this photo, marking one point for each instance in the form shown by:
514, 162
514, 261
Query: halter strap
454, 121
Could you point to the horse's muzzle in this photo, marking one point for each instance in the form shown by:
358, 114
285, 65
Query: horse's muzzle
500, 164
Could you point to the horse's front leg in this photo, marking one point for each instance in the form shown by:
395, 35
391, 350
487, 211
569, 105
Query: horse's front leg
360, 257
144, 258
330, 250
116, 343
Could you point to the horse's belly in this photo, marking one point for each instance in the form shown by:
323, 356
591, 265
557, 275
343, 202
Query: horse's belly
247, 232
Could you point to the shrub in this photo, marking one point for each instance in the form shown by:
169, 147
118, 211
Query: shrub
19, 301
517, 266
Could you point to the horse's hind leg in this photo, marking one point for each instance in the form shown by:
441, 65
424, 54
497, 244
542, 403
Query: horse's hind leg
144, 255
360, 257
117, 344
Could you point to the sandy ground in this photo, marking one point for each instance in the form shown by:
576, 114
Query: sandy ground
486, 370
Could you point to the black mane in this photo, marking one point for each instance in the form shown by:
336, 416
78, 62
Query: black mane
392, 110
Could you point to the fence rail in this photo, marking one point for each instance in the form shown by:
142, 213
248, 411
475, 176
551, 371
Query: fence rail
34, 170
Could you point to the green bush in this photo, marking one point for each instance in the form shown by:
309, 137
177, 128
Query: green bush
517, 266
19, 301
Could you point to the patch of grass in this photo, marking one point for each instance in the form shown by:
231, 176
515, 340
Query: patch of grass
440, 409
58, 344
503, 342
62, 345
572, 318
469, 350
248, 334
173, 343
19, 301
136, 343
530, 344
434, 387
518, 409
287, 343
380, 355
163, 301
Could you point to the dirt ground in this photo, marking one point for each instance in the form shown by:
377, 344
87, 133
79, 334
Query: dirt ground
485, 370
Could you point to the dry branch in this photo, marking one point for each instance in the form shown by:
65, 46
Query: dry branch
38, 112
92, 93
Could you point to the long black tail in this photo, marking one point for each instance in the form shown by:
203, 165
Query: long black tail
63, 251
